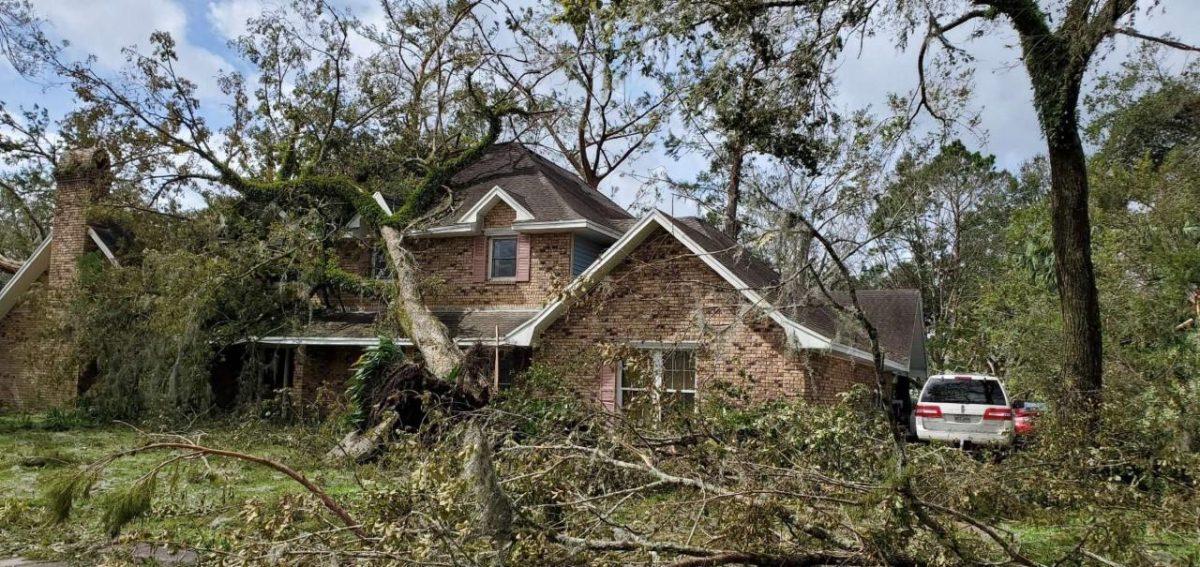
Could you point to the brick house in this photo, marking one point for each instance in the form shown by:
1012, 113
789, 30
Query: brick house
657, 308
639, 314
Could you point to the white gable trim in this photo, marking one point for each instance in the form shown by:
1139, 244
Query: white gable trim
30, 271
35, 266
103, 247
475, 214
582, 226
798, 335
352, 227
382, 202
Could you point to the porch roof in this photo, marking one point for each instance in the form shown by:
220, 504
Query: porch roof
466, 325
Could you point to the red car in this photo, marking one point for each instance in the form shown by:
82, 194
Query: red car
1025, 414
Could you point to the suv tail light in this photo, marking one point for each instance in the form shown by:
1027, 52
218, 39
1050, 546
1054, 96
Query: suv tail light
924, 410
997, 414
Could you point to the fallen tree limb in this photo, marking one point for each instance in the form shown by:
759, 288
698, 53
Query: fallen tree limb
199, 450
357, 447
700, 556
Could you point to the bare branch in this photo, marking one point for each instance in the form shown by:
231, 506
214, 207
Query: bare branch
198, 450
9, 265
25, 208
1156, 39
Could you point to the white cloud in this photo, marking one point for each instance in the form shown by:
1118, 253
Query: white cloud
103, 29
229, 17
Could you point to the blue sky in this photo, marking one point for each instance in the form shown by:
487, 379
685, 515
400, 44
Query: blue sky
866, 76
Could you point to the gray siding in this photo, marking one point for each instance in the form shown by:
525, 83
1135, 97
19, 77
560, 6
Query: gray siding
583, 253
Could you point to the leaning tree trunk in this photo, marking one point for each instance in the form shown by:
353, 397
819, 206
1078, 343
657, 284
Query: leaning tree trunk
442, 357
427, 332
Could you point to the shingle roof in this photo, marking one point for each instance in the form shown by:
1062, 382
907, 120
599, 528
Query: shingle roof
895, 313
546, 190
482, 323
753, 271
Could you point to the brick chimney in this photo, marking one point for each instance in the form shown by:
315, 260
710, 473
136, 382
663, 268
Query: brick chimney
83, 178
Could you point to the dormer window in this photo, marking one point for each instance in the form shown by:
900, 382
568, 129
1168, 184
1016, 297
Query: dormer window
502, 261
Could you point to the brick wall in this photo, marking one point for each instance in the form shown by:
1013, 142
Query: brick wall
355, 256
35, 371
499, 216
446, 266
31, 375
320, 372
664, 293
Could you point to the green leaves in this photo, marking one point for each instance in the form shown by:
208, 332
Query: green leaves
367, 376
123, 505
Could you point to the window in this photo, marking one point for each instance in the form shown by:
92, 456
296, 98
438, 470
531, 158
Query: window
381, 264
959, 391
658, 384
277, 368
502, 258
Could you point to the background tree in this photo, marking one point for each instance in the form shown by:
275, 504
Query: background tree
751, 90
1057, 59
598, 109
941, 220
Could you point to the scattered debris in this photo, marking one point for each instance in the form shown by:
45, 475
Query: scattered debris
163, 555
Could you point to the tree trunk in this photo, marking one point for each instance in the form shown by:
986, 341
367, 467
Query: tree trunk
1056, 63
1080, 302
9, 265
733, 191
442, 356
358, 447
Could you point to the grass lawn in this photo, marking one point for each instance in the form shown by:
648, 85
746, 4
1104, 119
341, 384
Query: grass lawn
194, 505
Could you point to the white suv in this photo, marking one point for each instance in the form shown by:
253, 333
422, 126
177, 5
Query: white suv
964, 408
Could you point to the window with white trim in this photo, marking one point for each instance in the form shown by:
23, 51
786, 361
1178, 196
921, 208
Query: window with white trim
660, 383
502, 258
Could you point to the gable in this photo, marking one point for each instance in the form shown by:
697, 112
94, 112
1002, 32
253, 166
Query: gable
619, 251
798, 335
660, 292
500, 216
19, 284
38, 263
493, 198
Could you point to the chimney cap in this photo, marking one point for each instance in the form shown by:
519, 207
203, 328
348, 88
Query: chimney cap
80, 160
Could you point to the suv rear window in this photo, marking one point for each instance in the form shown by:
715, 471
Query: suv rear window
955, 391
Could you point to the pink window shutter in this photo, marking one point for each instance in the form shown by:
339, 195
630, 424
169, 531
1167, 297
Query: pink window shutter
479, 259
524, 251
606, 393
